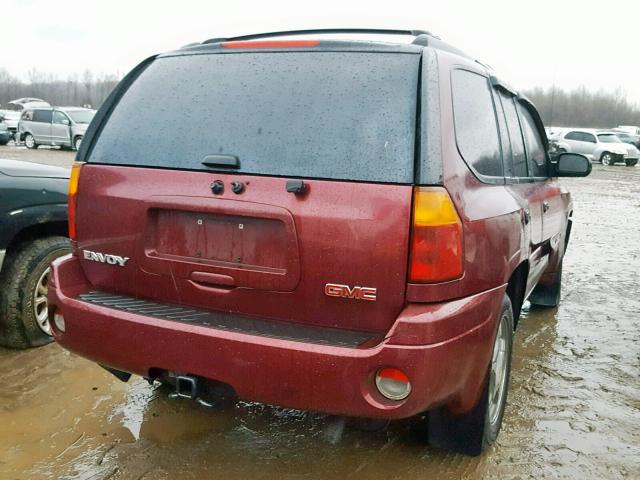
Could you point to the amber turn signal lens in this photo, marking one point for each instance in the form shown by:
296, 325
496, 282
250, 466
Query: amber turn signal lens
436, 239
72, 199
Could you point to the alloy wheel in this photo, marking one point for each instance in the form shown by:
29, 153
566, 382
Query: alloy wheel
499, 371
40, 304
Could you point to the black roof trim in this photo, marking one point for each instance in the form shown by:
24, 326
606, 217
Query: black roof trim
285, 33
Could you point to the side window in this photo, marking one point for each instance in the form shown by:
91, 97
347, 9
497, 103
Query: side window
42, 116
475, 123
536, 155
588, 137
574, 136
519, 160
59, 118
504, 135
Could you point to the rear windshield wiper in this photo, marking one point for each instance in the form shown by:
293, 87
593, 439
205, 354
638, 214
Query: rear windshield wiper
221, 161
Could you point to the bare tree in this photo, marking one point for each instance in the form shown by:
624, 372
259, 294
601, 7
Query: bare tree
87, 89
583, 108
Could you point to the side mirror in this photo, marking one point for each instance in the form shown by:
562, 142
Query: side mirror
65, 122
572, 165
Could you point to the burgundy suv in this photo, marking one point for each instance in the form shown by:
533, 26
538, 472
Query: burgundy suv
343, 226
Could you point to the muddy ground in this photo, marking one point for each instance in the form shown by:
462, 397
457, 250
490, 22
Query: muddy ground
573, 407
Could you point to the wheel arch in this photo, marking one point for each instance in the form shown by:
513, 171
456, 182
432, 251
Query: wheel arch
34, 232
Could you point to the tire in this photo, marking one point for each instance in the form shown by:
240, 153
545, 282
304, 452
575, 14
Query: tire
76, 143
474, 432
23, 315
30, 141
631, 163
607, 158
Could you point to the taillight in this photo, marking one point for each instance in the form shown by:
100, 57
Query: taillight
436, 238
72, 199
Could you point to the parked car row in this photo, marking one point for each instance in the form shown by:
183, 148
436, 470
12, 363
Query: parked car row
605, 146
35, 122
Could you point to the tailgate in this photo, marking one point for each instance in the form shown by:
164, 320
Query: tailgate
335, 255
266, 252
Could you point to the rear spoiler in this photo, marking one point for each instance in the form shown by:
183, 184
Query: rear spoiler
107, 107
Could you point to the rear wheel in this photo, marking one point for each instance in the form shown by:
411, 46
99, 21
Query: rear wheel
30, 141
475, 431
24, 316
606, 158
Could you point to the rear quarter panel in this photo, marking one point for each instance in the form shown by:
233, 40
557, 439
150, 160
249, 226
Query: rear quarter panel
494, 237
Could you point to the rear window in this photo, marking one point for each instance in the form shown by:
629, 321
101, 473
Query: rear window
336, 115
42, 116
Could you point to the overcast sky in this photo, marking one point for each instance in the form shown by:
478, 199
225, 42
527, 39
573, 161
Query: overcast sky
567, 43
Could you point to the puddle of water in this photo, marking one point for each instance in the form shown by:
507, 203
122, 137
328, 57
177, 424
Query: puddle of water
573, 412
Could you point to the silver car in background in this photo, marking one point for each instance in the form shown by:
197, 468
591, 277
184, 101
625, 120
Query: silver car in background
56, 126
598, 145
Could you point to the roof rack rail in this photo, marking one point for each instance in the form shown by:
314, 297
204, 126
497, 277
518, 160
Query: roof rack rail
429, 40
381, 31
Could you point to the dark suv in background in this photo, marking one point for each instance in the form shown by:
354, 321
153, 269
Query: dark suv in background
349, 227
33, 229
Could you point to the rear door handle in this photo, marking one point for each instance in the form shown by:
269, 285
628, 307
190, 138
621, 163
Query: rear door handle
213, 279
545, 206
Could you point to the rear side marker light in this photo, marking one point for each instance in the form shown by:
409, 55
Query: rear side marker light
72, 199
271, 44
393, 383
436, 237
58, 319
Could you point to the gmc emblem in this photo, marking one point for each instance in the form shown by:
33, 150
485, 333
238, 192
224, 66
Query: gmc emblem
345, 291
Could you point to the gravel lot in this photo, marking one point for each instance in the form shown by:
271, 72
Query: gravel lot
48, 155
573, 409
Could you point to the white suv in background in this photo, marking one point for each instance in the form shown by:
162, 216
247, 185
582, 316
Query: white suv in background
598, 145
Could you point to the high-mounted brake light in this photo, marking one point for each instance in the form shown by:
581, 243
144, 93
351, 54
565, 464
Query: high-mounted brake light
436, 237
72, 199
271, 44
